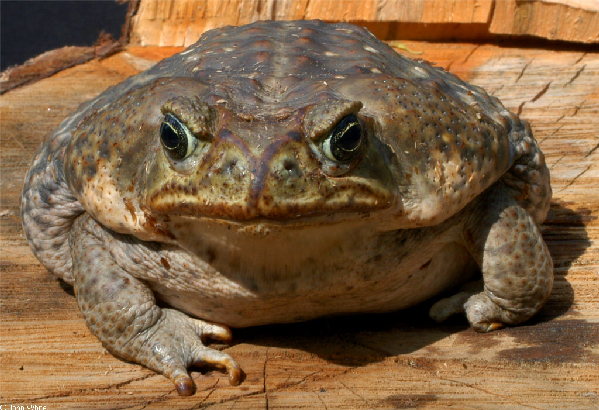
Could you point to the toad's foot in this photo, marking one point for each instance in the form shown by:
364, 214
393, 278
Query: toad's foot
517, 269
175, 342
470, 298
121, 311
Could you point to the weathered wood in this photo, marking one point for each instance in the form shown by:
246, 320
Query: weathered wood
399, 360
568, 20
181, 22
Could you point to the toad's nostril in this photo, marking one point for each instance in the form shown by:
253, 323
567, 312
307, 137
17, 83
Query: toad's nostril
231, 165
290, 169
289, 165
287, 169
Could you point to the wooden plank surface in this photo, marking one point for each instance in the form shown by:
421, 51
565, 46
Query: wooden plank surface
392, 361
568, 20
181, 22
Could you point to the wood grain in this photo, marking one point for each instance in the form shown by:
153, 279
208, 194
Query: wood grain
568, 20
181, 22
392, 361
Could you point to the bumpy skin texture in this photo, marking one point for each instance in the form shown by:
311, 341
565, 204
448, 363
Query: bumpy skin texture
259, 223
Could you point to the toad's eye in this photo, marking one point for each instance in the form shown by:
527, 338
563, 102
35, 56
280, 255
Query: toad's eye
176, 138
344, 142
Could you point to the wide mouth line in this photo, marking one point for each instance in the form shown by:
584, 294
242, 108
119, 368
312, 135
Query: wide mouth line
324, 217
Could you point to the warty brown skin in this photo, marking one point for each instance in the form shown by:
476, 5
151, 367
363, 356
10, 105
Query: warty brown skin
259, 222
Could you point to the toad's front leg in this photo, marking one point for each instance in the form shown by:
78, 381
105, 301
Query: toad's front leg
504, 240
120, 310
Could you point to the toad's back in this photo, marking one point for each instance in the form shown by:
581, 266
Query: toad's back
311, 50
290, 61
283, 64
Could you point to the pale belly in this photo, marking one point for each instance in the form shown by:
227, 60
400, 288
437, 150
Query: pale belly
379, 287
297, 275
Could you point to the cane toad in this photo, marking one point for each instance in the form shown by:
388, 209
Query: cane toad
279, 172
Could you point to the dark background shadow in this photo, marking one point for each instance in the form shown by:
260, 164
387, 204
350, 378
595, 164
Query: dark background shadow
565, 233
356, 340
29, 28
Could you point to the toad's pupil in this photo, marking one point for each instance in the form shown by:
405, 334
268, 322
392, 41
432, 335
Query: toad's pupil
169, 136
346, 139
350, 139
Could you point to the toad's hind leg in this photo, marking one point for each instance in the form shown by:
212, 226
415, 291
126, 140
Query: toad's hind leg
121, 311
516, 266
